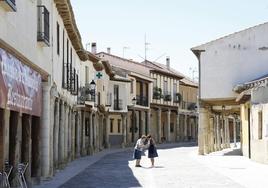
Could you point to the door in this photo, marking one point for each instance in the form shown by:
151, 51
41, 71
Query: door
116, 97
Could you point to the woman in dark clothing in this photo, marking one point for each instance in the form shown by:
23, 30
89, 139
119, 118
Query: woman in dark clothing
152, 152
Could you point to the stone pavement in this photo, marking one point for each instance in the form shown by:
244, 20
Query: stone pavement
178, 165
238, 168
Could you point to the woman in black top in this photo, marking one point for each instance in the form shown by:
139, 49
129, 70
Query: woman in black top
152, 152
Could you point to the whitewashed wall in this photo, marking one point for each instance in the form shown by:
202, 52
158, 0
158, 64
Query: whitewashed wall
19, 30
232, 60
123, 93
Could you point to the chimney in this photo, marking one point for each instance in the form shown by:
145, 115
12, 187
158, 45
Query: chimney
94, 47
109, 50
168, 62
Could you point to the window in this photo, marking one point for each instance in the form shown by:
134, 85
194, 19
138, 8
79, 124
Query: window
43, 25
165, 87
69, 68
260, 125
64, 72
155, 83
86, 74
131, 86
119, 125
58, 38
111, 125
175, 91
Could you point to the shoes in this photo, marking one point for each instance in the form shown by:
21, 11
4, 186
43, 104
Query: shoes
138, 166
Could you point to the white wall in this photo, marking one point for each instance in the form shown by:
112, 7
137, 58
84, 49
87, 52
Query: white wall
123, 93
19, 30
233, 60
57, 68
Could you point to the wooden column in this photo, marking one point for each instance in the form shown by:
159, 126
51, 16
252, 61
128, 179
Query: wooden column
26, 146
202, 132
45, 130
168, 125
56, 134
15, 142
159, 125
36, 149
61, 135
107, 130
185, 128
124, 129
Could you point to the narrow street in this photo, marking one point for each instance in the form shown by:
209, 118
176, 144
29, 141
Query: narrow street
176, 167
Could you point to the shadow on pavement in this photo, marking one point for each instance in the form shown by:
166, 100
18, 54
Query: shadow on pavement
176, 145
235, 152
111, 171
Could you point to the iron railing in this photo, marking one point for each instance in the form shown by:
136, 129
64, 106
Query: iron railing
142, 100
118, 104
43, 25
167, 96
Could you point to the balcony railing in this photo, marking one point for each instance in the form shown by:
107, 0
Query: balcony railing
157, 93
177, 97
85, 95
118, 104
188, 105
142, 100
8, 5
167, 96
43, 25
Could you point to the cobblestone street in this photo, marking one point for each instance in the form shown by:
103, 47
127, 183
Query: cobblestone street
176, 167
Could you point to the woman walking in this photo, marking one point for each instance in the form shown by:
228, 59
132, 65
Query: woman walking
152, 152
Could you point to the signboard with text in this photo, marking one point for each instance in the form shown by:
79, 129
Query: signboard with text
20, 86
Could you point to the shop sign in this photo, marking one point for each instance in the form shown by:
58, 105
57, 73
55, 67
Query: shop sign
20, 86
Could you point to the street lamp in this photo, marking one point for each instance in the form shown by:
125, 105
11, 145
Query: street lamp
92, 87
134, 101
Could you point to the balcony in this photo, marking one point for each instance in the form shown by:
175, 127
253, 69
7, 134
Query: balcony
8, 5
188, 105
74, 84
157, 93
142, 100
177, 97
84, 95
191, 106
118, 104
43, 26
167, 96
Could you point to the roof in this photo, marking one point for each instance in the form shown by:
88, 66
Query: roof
199, 47
126, 64
260, 81
65, 10
158, 67
187, 81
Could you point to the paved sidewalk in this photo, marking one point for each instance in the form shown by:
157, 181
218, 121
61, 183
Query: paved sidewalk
79, 165
238, 168
75, 167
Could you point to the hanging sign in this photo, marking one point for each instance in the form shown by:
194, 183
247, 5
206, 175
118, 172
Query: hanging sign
99, 75
20, 86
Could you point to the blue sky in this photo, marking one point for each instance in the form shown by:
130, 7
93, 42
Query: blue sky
172, 27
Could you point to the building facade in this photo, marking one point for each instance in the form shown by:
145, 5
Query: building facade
224, 64
156, 91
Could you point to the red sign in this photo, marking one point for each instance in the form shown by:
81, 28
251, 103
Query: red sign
20, 86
